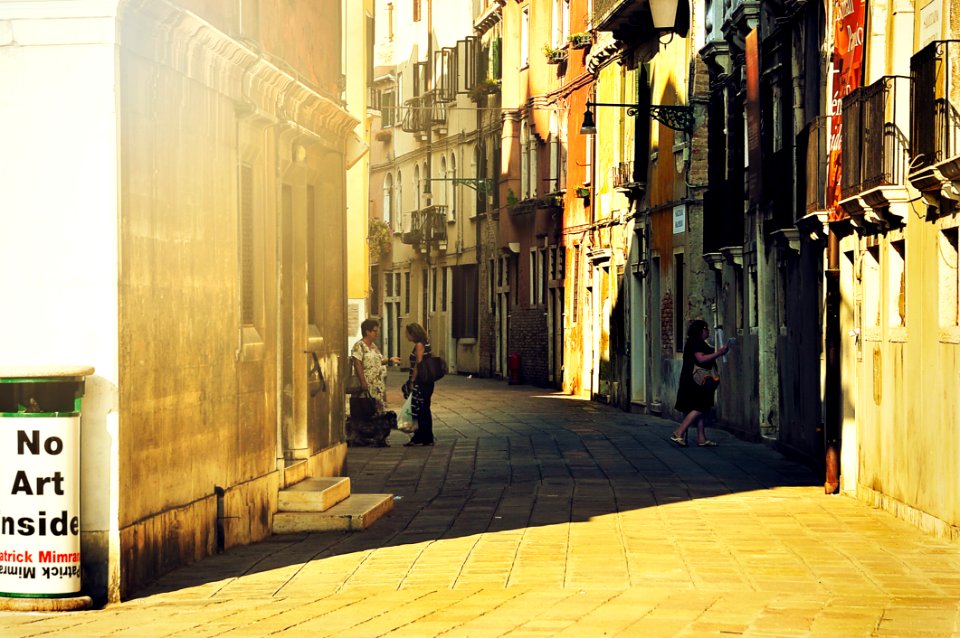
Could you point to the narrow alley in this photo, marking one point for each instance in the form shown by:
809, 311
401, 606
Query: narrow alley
540, 515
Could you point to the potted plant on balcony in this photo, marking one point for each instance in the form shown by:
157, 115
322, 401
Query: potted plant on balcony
580, 40
483, 88
554, 56
378, 238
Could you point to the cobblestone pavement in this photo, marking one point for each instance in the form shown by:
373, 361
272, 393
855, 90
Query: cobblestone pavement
541, 515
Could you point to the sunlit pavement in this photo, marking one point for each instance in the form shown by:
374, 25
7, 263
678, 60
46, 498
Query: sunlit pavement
540, 515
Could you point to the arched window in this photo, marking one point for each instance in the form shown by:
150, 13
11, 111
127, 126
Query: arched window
443, 173
452, 202
416, 185
388, 200
399, 206
524, 161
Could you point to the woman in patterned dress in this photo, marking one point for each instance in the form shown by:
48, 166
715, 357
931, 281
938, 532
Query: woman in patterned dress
369, 364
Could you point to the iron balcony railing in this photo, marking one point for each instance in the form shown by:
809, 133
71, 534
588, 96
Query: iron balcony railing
426, 228
874, 137
812, 159
622, 175
414, 116
935, 102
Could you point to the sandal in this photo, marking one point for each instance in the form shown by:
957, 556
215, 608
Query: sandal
708, 443
678, 440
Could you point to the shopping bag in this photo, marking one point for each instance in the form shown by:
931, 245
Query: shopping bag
405, 421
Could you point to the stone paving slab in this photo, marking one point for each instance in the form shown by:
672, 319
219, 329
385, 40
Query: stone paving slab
540, 515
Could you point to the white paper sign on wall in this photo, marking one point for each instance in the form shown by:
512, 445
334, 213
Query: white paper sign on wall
679, 218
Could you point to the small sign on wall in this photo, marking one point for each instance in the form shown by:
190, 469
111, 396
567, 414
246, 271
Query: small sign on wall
679, 218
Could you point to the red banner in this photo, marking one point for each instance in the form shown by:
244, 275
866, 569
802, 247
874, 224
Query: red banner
848, 36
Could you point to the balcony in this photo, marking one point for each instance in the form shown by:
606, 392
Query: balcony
812, 163
629, 20
415, 119
875, 155
935, 121
425, 228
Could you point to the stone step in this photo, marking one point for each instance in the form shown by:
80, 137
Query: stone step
314, 494
358, 512
294, 471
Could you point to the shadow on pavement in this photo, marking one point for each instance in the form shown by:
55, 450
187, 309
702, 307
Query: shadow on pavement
512, 458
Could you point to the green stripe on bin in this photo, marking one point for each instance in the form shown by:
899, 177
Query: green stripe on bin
33, 415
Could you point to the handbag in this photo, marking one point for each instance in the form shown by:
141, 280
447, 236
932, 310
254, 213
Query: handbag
706, 378
362, 406
353, 384
431, 369
405, 421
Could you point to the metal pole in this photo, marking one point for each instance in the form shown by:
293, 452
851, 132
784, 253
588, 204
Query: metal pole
833, 376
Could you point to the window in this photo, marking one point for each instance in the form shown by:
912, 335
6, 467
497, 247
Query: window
576, 282
534, 295
443, 289
897, 282
531, 150
452, 203
398, 216
391, 313
558, 155
480, 161
388, 200
250, 19
679, 302
541, 275
525, 38
416, 186
870, 282
524, 162
406, 293
445, 184
424, 297
561, 23
388, 108
433, 290
949, 282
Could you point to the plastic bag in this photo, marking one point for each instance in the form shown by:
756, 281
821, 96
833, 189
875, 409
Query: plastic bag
405, 421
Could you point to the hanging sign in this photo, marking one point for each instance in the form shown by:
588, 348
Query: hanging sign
847, 75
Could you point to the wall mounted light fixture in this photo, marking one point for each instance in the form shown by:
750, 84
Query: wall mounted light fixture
676, 116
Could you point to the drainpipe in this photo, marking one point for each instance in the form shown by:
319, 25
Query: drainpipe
832, 381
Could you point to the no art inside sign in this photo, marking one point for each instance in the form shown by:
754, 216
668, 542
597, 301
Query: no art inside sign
40, 506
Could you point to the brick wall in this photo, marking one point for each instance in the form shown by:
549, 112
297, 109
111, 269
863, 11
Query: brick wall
528, 338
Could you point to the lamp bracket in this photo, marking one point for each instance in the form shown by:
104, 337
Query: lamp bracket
676, 116
479, 184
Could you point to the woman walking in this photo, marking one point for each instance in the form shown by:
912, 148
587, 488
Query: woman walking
692, 399
422, 390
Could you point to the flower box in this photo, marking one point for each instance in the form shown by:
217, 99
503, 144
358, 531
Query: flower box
580, 40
